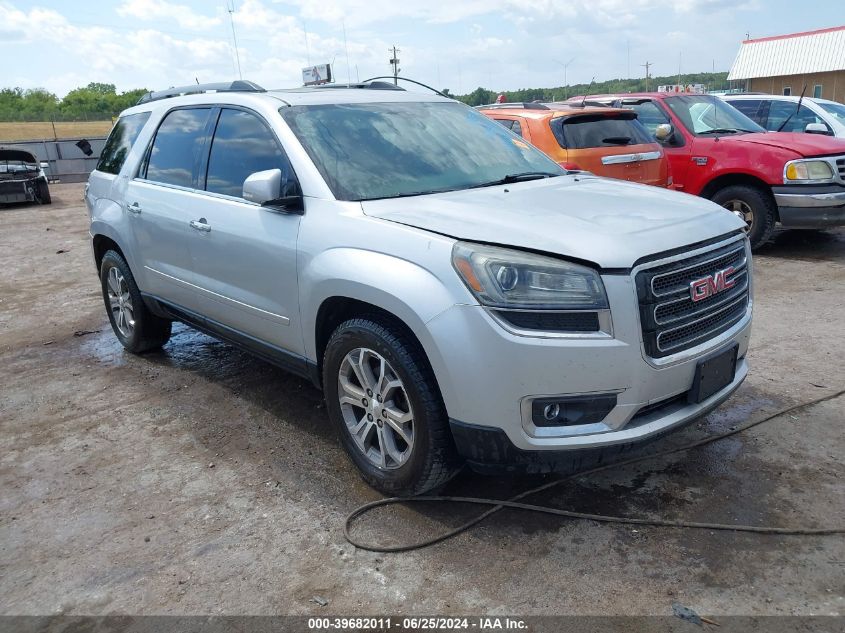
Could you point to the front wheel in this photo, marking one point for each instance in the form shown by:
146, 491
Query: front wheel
137, 329
382, 396
752, 205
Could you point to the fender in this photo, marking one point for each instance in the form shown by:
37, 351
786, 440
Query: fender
109, 219
411, 293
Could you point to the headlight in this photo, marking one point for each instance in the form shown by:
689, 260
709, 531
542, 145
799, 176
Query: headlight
505, 278
807, 171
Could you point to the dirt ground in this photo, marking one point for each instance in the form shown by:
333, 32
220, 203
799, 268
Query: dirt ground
201, 480
32, 130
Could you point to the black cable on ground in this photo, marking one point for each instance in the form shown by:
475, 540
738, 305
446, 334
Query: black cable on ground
514, 502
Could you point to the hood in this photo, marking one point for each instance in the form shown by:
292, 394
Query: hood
799, 142
608, 222
17, 154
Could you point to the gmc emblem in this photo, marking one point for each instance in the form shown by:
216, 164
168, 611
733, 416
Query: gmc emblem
712, 284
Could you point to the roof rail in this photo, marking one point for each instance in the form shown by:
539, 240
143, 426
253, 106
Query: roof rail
234, 86
515, 105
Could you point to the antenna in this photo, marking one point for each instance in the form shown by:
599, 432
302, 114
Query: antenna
587, 92
307, 48
394, 61
230, 6
647, 65
348, 71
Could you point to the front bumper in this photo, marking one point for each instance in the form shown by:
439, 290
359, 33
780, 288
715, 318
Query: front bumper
810, 206
508, 369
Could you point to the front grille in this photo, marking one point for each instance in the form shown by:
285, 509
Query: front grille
671, 321
12, 187
840, 167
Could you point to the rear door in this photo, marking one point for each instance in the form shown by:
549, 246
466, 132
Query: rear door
161, 202
244, 255
612, 145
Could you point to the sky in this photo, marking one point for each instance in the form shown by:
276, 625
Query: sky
457, 44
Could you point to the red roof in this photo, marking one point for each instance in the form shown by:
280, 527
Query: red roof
801, 34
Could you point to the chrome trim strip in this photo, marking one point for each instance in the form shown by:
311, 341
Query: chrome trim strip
696, 265
705, 334
270, 316
739, 290
620, 159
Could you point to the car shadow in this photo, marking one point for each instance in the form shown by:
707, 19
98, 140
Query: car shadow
806, 244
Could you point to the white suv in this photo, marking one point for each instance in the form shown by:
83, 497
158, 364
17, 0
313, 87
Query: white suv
456, 294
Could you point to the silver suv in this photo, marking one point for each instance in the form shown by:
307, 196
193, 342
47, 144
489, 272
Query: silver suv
457, 295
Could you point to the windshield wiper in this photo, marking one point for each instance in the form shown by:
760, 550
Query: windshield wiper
617, 140
512, 178
722, 130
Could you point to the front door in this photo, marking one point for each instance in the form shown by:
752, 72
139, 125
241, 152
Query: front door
244, 255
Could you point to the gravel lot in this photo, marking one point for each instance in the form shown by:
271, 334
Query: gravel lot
201, 480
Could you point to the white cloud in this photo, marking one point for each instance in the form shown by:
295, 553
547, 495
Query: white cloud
182, 15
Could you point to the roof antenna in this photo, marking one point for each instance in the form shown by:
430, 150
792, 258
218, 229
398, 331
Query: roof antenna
197, 79
230, 6
588, 91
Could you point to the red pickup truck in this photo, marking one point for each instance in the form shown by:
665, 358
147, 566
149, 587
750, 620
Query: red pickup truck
717, 152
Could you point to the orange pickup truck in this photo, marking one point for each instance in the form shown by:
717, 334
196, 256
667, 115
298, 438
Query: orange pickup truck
608, 142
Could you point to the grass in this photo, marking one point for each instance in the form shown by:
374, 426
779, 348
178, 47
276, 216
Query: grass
37, 130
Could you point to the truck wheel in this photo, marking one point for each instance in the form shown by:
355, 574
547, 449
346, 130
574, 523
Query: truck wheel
43, 192
137, 329
752, 205
382, 396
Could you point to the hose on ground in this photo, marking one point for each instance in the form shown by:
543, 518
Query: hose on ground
516, 503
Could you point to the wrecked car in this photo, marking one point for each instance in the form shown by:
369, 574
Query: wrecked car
22, 177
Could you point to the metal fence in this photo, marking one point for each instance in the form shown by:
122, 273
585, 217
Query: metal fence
67, 162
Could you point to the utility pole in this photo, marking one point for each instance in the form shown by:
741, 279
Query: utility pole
647, 65
394, 61
565, 82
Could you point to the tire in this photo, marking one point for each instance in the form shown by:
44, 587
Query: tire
764, 214
43, 191
137, 329
430, 459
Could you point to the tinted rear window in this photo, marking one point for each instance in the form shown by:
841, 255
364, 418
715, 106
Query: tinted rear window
120, 141
581, 132
177, 148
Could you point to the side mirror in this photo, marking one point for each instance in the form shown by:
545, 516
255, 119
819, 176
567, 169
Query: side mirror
664, 132
264, 187
817, 128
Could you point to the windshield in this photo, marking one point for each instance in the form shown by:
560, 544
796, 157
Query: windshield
704, 115
836, 109
387, 150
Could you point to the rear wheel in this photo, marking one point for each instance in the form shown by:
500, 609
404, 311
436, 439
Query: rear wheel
752, 205
382, 396
137, 329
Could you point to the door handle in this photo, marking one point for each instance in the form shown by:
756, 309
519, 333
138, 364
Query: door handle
200, 225
134, 208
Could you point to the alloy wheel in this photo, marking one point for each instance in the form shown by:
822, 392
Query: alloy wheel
120, 302
376, 408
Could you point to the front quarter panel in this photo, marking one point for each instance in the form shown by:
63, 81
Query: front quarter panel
403, 270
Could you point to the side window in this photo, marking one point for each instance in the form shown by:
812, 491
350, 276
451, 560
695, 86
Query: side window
242, 145
649, 114
779, 111
517, 128
177, 147
120, 141
506, 122
749, 107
